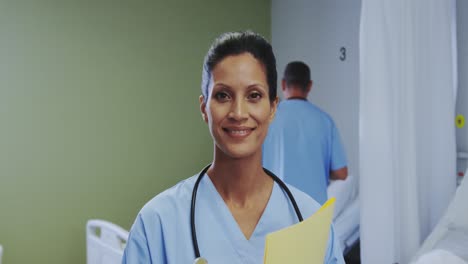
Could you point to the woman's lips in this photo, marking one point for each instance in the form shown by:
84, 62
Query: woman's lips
238, 132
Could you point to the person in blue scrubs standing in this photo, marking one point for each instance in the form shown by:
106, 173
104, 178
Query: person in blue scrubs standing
303, 146
237, 202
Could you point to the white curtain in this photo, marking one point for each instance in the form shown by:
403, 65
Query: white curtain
407, 132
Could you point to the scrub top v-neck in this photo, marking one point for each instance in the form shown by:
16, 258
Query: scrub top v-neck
161, 231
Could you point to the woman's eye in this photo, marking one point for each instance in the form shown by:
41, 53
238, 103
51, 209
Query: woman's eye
255, 96
222, 96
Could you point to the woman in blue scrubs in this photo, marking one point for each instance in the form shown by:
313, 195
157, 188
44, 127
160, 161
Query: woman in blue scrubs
237, 202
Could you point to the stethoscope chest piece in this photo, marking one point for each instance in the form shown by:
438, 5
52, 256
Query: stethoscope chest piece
200, 260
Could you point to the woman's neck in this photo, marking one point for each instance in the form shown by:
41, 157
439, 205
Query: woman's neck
240, 181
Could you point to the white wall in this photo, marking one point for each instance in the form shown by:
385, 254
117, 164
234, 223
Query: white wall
462, 97
314, 31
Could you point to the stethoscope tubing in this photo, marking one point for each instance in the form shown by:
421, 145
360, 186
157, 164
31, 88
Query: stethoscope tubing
194, 198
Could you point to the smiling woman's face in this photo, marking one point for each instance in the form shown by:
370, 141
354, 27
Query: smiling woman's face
238, 110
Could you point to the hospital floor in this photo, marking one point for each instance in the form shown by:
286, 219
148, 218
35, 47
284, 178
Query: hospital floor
353, 256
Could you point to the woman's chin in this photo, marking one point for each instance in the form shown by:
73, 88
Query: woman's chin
239, 152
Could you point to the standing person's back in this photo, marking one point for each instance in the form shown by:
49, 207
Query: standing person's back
303, 145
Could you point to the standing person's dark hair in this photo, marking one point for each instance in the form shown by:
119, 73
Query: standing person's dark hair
235, 43
297, 73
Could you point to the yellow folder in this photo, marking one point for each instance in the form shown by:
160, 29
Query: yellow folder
302, 243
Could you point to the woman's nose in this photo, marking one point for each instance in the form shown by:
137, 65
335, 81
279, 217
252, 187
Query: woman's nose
239, 110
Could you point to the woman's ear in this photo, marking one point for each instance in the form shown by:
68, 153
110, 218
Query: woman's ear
274, 104
203, 108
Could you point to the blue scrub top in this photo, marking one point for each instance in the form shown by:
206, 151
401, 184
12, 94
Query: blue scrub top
161, 232
302, 147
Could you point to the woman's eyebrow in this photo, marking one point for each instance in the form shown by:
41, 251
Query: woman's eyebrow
220, 85
257, 86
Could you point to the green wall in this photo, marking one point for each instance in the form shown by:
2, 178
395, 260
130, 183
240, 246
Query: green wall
99, 112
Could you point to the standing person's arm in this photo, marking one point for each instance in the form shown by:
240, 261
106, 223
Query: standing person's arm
339, 174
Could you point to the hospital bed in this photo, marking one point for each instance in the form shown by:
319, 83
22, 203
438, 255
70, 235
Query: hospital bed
105, 242
346, 215
448, 242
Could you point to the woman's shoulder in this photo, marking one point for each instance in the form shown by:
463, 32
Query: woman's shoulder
307, 204
176, 197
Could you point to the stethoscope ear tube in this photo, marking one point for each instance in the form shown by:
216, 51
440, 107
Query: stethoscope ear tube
192, 211
288, 192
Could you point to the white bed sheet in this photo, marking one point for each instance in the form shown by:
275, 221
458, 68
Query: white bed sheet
346, 216
347, 225
451, 233
344, 192
439, 256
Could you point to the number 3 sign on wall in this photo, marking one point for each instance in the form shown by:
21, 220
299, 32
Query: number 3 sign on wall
342, 53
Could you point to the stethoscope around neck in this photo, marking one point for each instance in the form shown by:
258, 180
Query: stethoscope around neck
200, 260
